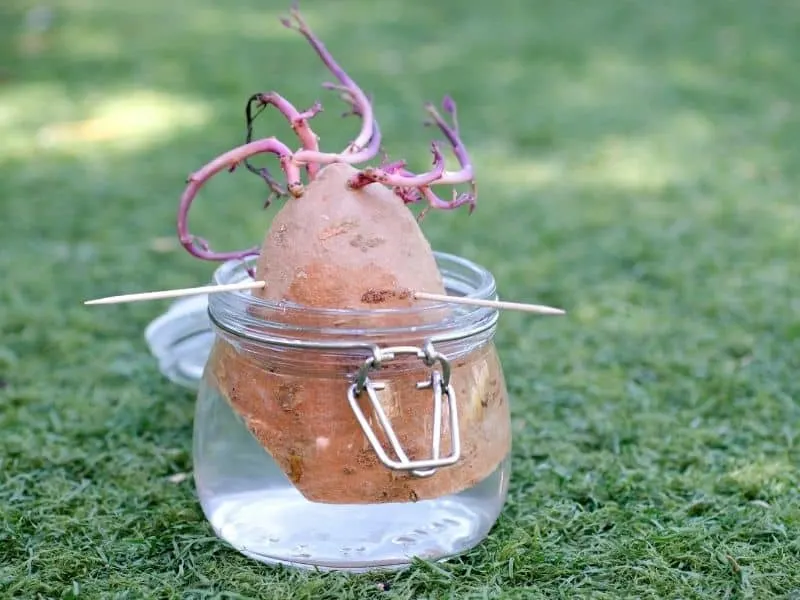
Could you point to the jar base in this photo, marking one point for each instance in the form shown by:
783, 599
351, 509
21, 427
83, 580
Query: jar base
280, 526
252, 505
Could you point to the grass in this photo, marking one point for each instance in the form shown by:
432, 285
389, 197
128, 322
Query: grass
638, 164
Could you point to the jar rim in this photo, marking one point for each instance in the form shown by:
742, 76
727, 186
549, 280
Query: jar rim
462, 277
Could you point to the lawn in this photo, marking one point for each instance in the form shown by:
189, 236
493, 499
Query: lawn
638, 165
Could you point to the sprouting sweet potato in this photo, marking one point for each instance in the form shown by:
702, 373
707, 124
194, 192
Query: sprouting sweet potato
345, 239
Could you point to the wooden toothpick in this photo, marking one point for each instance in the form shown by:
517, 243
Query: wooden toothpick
501, 304
193, 291
252, 285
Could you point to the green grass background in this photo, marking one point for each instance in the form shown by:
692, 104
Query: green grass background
638, 164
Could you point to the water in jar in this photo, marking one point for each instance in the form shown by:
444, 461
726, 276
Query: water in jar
253, 506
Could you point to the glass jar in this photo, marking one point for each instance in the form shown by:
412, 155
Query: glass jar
335, 439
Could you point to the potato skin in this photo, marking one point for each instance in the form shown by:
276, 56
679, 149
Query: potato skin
329, 247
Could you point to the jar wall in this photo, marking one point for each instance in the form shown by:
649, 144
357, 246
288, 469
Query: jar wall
253, 505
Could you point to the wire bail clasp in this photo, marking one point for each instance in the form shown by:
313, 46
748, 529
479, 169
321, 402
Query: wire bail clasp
439, 382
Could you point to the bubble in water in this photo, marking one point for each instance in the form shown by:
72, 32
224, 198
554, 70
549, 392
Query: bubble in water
404, 539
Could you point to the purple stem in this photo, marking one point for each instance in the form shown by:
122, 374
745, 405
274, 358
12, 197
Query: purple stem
299, 122
392, 178
199, 247
358, 97
465, 174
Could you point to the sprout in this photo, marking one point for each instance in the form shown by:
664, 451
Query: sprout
409, 187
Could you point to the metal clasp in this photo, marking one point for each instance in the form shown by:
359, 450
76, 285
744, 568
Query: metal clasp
442, 388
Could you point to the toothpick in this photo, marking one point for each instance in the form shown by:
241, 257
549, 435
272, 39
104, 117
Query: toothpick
252, 285
193, 291
501, 304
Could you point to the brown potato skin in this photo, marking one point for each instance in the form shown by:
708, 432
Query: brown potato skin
327, 248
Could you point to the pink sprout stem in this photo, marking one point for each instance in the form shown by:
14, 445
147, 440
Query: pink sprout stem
465, 174
393, 166
410, 187
359, 98
198, 246
411, 195
326, 158
392, 178
414, 195
299, 123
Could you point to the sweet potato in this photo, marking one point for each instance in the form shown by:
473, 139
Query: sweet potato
345, 239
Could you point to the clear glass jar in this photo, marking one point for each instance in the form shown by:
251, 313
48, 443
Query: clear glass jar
291, 462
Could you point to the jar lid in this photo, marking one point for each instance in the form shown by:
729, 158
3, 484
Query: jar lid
181, 340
